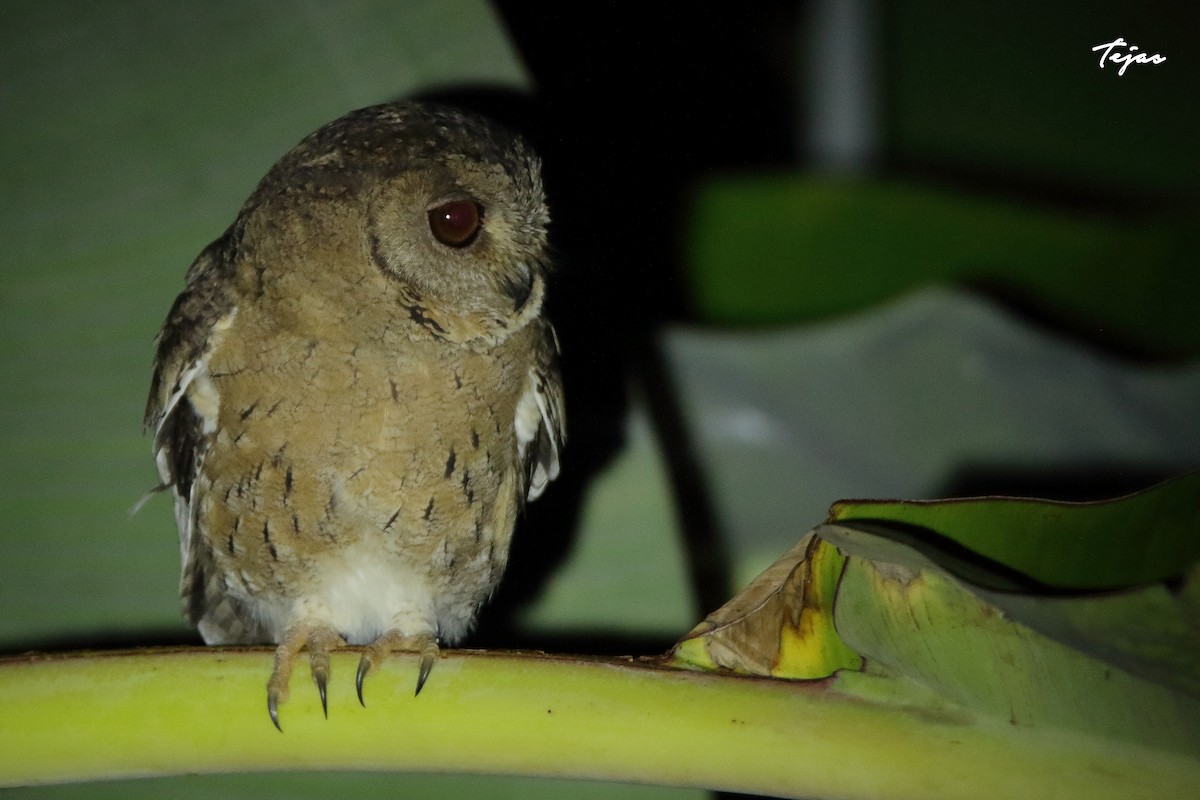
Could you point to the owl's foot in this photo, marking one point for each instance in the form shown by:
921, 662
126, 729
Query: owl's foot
318, 641
424, 644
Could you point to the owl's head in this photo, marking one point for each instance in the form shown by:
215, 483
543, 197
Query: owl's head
449, 207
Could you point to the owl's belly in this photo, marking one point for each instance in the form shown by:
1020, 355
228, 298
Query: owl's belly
362, 590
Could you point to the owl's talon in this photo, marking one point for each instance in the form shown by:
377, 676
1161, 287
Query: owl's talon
364, 666
321, 680
424, 644
429, 654
277, 685
320, 641
273, 707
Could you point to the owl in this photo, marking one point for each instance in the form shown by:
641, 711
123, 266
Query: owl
357, 392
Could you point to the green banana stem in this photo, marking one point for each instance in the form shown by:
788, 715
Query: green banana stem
166, 712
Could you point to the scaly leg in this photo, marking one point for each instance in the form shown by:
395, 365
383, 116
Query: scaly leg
424, 644
318, 641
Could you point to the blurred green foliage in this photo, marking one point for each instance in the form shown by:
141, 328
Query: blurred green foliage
780, 249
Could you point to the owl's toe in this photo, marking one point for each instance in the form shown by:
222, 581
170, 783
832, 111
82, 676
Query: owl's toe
423, 644
319, 641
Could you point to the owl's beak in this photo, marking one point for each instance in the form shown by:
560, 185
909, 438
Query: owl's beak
518, 287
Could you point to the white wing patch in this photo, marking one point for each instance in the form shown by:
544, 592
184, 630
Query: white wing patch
540, 431
194, 383
183, 382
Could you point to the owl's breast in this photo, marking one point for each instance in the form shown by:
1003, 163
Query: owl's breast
326, 449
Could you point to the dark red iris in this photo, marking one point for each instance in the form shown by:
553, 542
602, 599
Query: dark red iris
455, 224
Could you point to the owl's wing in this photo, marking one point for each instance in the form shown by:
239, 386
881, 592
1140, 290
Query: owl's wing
183, 405
541, 416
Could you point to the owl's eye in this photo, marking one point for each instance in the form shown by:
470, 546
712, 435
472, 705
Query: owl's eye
455, 224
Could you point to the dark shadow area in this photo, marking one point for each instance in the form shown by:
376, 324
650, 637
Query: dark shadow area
590, 641
100, 640
629, 112
1030, 187
598, 642
593, 381
1109, 339
636, 107
1080, 483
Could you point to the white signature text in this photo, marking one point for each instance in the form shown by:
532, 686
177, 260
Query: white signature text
1125, 59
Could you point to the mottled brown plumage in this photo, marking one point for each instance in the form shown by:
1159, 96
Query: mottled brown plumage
356, 391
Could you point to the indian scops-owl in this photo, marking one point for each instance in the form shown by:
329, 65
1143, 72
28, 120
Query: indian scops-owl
357, 391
